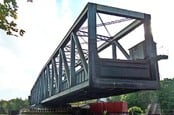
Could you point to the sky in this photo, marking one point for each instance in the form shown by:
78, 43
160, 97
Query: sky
47, 21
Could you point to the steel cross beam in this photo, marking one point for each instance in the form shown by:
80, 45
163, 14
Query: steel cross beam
75, 71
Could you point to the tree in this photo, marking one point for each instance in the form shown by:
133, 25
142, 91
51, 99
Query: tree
3, 106
142, 98
13, 105
8, 15
166, 95
17, 104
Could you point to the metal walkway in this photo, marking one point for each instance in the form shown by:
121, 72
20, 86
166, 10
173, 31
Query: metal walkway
99, 57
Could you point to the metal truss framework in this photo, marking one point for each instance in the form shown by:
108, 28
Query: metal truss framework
75, 71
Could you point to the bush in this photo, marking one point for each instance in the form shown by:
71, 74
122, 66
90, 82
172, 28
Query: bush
135, 110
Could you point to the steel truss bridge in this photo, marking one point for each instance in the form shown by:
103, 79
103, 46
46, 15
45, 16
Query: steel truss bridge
86, 64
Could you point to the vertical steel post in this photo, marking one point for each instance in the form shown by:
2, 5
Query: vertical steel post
54, 68
40, 89
46, 83
150, 51
92, 42
49, 80
52, 79
114, 51
72, 66
150, 48
42, 86
60, 72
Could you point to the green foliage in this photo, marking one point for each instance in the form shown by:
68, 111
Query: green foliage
3, 106
123, 97
8, 15
114, 98
135, 110
142, 98
13, 104
164, 96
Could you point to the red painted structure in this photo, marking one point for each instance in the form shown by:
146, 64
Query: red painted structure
109, 107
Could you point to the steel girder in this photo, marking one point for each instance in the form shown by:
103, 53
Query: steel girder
75, 71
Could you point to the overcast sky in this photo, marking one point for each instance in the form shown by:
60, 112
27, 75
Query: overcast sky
47, 21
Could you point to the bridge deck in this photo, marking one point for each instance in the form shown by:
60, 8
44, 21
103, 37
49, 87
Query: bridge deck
113, 78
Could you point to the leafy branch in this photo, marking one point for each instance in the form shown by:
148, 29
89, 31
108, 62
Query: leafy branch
8, 15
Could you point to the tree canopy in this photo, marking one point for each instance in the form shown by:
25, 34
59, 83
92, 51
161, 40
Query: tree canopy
13, 104
8, 15
164, 96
